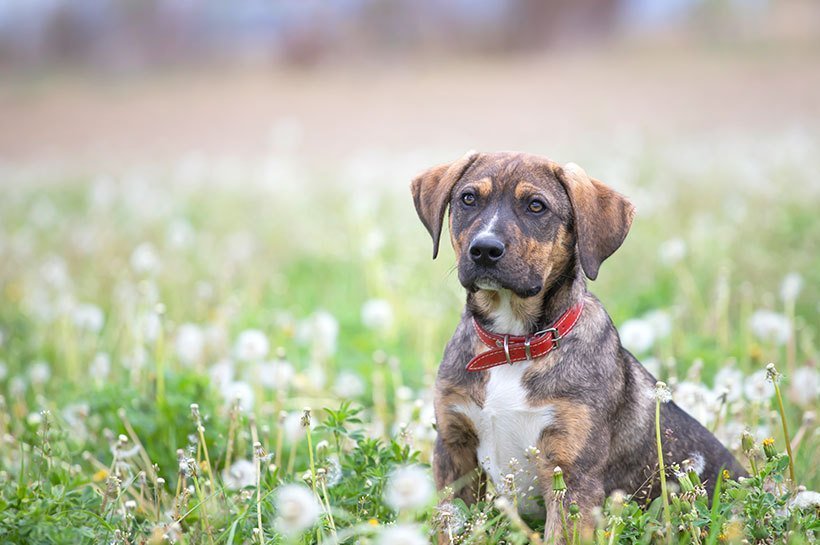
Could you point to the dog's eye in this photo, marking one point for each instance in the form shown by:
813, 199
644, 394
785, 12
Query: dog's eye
536, 206
468, 198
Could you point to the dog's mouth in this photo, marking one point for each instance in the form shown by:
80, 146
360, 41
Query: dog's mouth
492, 284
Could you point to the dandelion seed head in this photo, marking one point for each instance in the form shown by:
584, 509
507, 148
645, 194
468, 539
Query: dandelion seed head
297, 509
377, 315
662, 392
770, 326
241, 474
637, 335
252, 345
189, 343
408, 487
402, 534
39, 372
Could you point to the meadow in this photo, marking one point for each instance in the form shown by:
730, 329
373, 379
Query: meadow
216, 350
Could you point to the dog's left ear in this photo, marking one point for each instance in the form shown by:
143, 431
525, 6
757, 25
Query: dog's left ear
602, 216
431, 193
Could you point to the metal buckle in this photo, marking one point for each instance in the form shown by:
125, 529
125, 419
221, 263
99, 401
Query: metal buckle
527, 347
507, 349
555, 336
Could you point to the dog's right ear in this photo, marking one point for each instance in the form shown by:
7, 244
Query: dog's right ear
431, 193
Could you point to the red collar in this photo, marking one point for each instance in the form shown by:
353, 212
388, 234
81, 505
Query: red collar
512, 348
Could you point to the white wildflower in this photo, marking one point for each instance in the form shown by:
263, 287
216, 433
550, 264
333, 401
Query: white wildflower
180, 233
806, 499
791, 286
151, 325
758, 387
276, 374
321, 332
88, 317
731, 380
136, 359
662, 392
660, 321
39, 372
100, 366
242, 473
377, 314
297, 509
189, 343
17, 386
694, 398
221, 373
770, 326
672, 251
450, 517
402, 534
637, 335
408, 487
294, 431
252, 345
144, 259
240, 391
804, 389
348, 385
4, 370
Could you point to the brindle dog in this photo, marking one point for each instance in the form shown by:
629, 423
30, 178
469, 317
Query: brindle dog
526, 233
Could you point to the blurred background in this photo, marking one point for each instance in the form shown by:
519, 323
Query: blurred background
207, 202
101, 82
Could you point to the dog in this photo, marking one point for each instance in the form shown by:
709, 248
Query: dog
535, 376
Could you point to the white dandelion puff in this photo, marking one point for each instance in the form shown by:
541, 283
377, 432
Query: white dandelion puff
731, 380
804, 389
402, 534
296, 509
672, 251
39, 372
377, 315
239, 391
252, 345
276, 374
88, 317
770, 326
660, 321
100, 366
189, 343
144, 259
757, 387
806, 499
791, 286
637, 335
348, 385
408, 487
241, 474
662, 392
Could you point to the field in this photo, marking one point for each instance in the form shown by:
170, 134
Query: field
240, 349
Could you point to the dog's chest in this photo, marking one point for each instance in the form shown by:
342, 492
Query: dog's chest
508, 429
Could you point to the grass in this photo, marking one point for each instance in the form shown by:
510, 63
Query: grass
124, 301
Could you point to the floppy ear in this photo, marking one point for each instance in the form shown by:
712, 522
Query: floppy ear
602, 217
431, 193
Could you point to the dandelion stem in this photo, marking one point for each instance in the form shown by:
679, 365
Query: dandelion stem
785, 432
666, 515
564, 526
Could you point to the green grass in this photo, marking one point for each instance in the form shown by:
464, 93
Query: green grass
247, 255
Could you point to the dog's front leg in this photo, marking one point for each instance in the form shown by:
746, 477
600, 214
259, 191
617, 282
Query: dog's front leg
455, 466
587, 491
581, 455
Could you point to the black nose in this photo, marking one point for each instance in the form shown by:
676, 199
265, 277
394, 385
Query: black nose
486, 250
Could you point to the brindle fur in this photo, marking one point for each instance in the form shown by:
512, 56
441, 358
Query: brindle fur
603, 432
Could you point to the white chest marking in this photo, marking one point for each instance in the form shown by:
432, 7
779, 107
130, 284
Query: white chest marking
503, 318
508, 430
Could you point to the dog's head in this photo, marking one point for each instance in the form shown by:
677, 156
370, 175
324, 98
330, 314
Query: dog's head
518, 221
